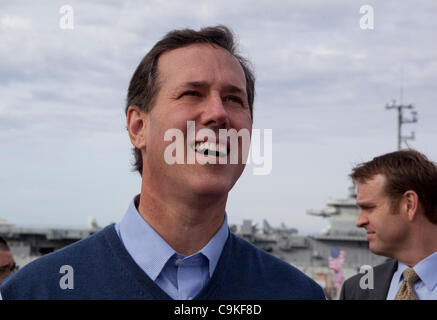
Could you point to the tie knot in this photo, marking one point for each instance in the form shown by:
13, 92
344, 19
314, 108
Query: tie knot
410, 275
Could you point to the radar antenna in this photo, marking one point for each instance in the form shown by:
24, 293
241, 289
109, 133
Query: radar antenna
401, 118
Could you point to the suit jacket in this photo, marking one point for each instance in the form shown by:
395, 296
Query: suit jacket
382, 274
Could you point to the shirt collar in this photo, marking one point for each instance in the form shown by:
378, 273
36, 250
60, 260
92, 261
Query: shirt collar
401, 268
425, 269
145, 246
151, 252
214, 247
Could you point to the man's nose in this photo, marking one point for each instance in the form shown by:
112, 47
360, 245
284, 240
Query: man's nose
362, 220
215, 113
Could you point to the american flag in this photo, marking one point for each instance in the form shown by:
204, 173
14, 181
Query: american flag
336, 261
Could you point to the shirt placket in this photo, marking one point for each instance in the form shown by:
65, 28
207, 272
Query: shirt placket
190, 276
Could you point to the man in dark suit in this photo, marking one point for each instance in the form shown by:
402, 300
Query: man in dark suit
397, 197
382, 275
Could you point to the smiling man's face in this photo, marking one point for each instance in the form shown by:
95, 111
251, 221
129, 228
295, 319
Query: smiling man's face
204, 84
387, 229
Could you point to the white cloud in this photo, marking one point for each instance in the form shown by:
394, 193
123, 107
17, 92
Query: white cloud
12, 23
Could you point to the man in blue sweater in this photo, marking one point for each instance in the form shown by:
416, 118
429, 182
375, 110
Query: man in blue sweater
174, 241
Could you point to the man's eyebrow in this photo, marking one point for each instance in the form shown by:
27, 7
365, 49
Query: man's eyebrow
365, 205
234, 89
195, 84
203, 84
190, 85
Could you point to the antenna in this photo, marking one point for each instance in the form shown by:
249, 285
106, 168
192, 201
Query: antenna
401, 93
402, 120
401, 107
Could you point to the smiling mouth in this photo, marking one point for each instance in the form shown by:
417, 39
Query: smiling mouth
211, 149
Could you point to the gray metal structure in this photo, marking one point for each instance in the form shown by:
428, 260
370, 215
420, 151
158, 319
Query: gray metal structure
402, 120
28, 244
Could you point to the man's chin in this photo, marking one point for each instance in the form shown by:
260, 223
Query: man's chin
213, 182
211, 189
377, 249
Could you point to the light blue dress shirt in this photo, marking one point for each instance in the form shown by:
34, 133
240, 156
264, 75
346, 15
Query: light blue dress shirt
181, 277
425, 287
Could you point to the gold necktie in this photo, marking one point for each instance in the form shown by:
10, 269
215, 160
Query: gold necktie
406, 292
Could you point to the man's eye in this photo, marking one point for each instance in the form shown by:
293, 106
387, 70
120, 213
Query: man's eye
190, 93
234, 99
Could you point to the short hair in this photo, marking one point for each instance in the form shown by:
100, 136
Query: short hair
3, 244
404, 170
144, 84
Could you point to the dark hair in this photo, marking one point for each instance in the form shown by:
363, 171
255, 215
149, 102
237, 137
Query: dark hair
404, 170
3, 244
144, 83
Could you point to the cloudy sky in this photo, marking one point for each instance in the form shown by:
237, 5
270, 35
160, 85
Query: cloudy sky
322, 84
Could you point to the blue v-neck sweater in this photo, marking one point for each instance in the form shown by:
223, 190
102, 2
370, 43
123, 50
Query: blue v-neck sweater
99, 267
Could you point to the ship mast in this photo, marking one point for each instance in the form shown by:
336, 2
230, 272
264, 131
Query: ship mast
401, 119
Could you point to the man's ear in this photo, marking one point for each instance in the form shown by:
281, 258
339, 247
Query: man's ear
410, 204
136, 125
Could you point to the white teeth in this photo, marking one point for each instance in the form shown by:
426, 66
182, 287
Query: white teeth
211, 148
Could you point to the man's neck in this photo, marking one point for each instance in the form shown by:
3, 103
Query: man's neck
187, 225
422, 245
